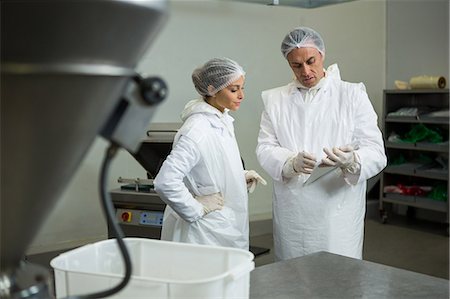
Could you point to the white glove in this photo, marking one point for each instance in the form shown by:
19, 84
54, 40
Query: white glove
253, 178
343, 157
304, 163
211, 202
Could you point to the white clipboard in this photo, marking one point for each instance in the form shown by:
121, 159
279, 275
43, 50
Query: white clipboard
317, 173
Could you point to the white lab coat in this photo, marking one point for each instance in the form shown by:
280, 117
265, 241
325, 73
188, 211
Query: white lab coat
205, 159
327, 215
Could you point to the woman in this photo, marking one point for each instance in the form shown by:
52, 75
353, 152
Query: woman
203, 181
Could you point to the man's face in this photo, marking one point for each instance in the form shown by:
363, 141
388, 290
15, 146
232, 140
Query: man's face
307, 64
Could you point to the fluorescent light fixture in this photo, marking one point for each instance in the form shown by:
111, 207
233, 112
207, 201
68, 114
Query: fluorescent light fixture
295, 3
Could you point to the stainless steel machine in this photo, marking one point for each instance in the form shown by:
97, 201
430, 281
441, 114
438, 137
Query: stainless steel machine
67, 75
138, 208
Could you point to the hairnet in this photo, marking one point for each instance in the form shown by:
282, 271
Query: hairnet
302, 37
215, 75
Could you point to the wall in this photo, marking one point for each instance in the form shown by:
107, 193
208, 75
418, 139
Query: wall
251, 34
417, 39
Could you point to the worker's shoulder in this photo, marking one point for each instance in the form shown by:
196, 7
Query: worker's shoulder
275, 94
350, 86
333, 79
350, 93
195, 127
276, 89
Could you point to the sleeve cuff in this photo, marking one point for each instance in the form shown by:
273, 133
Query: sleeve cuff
288, 168
353, 172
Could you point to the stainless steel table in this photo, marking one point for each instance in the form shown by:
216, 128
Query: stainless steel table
326, 275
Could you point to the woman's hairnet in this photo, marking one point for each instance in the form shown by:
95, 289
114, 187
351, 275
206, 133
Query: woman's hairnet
302, 37
215, 75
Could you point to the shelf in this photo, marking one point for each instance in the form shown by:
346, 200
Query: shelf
403, 169
412, 169
435, 147
416, 91
419, 146
432, 109
436, 174
417, 119
416, 201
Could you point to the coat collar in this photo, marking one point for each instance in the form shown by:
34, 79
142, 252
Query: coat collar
331, 73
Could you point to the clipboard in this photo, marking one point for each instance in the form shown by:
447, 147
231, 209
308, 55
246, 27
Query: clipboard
317, 173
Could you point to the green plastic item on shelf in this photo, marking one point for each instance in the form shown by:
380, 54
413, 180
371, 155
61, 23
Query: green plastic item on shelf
439, 192
421, 133
421, 158
398, 160
424, 159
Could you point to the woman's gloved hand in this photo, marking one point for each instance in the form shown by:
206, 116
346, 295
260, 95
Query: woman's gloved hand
211, 202
343, 157
304, 163
253, 178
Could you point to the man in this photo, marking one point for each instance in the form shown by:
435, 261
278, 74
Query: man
318, 119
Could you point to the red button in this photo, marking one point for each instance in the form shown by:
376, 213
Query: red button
126, 216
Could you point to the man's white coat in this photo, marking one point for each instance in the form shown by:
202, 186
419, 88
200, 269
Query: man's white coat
327, 215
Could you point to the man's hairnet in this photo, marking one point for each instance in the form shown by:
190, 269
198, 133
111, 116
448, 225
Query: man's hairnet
302, 37
215, 75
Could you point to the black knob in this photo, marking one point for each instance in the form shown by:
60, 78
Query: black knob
153, 90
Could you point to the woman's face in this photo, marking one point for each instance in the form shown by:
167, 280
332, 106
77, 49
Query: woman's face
230, 97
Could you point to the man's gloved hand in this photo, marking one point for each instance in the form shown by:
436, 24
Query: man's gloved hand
343, 157
304, 163
253, 178
211, 202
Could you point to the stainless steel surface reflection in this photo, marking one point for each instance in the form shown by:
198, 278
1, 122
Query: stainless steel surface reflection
327, 275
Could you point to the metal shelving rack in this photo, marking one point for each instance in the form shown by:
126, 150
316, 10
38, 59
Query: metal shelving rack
414, 173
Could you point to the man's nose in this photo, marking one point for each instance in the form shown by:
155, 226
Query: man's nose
306, 69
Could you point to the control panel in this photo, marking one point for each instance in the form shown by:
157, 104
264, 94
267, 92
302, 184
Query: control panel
139, 217
154, 218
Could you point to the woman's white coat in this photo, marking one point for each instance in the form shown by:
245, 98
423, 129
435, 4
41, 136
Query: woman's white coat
205, 159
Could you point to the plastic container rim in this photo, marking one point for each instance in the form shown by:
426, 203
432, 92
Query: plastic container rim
249, 265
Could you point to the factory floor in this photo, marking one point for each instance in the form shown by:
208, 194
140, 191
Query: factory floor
410, 244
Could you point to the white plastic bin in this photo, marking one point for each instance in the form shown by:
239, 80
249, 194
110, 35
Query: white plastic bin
161, 269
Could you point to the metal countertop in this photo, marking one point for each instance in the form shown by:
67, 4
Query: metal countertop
326, 275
